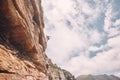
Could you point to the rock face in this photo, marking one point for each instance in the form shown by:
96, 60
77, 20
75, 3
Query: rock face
23, 43
97, 77
15, 67
56, 73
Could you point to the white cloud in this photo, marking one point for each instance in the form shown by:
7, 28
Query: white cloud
111, 26
74, 34
108, 17
95, 48
102, 63
117, 74
95, 36
117, 22
114, 42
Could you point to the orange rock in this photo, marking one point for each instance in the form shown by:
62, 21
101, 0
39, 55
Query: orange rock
23, 43
21, 28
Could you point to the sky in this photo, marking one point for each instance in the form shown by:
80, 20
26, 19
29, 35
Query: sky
84, 35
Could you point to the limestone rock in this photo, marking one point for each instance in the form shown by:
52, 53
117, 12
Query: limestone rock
21, 28
14, 67
56, 73
23, 43
21, 23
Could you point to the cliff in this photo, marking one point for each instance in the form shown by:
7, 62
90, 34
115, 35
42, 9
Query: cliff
23, 43
56, 73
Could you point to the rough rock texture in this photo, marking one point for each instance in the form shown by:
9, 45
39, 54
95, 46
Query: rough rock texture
14, 67
56, 73
21, 28
23, 44
98, 77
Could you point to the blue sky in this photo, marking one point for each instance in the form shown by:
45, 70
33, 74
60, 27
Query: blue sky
84, 35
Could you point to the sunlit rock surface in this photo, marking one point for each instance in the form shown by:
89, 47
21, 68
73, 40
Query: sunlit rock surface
23, 43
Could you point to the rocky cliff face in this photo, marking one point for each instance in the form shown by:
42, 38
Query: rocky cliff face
23, 43
56, 73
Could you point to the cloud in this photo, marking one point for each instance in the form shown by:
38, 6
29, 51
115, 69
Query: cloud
84, 35
117, 22
117, 74
111, 23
